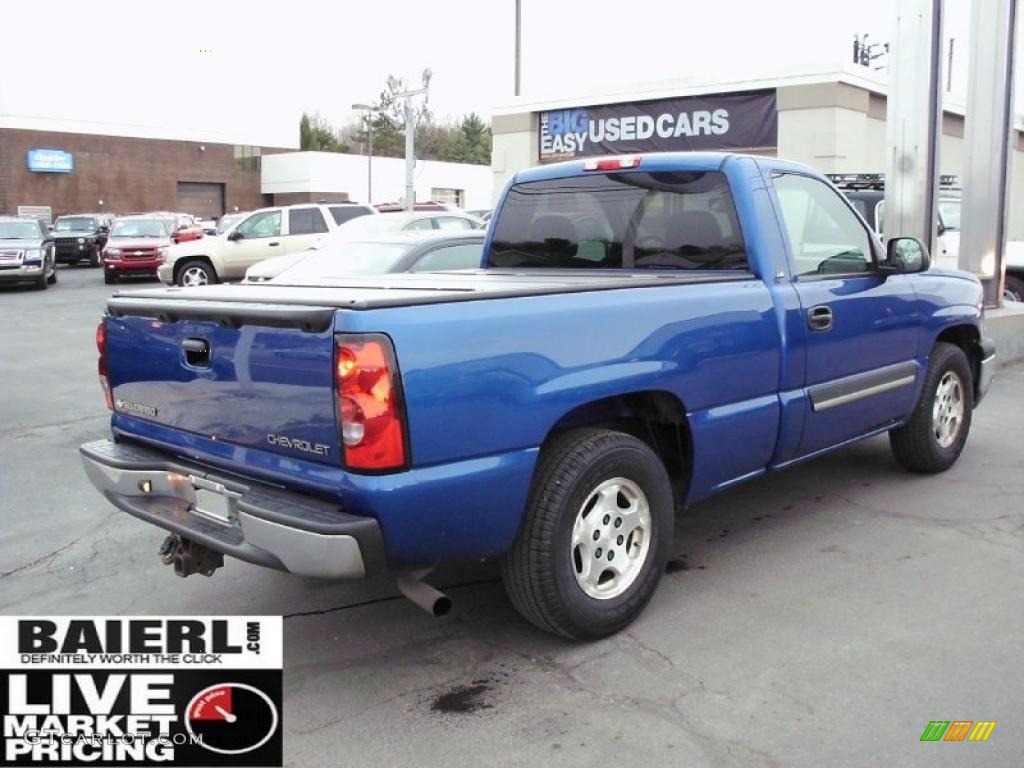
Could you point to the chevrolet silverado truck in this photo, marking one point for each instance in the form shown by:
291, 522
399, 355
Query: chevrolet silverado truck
645, 332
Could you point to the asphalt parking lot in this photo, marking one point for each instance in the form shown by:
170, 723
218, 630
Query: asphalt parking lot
819, 617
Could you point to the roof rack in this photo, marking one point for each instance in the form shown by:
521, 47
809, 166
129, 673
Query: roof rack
877, 180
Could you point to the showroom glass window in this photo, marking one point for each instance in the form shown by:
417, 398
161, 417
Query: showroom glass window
306, 221
663, 220
825, 236
262, 224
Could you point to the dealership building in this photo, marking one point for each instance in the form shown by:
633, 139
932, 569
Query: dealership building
49, 167
831, 120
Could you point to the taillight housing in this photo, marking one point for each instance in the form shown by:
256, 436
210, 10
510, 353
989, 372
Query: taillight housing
371, 414
101, 366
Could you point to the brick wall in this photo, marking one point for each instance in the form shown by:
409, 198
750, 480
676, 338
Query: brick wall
128, 174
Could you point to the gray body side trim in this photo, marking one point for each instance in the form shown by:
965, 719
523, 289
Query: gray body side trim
862, 385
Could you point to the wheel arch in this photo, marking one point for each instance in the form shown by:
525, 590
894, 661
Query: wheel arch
968, 338
656, 417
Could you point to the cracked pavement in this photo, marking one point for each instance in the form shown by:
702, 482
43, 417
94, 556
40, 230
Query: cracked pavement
818, 617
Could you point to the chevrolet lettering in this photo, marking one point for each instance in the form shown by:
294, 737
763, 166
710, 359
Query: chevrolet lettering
320, 449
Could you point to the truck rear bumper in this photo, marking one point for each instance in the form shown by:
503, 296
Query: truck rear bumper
253, 522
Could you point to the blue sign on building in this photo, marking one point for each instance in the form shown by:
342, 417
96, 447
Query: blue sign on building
50, 161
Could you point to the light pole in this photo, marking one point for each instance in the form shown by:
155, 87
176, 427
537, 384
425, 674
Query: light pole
369, 109
410, 131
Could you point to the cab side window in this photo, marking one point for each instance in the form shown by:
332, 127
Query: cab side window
825, 236
262, 224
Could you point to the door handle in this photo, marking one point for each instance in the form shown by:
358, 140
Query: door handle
273, 244
819, 318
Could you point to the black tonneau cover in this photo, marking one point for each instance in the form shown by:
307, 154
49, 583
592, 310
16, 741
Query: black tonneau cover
311, 306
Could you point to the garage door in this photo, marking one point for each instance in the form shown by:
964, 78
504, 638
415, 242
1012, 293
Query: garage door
201, 199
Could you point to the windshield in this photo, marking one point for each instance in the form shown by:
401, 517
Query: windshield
140, 228
75, 224
345, 259
19, 230
227, 221
949, 212
660, 220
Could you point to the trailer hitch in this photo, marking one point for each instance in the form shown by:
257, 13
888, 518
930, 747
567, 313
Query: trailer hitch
188, 557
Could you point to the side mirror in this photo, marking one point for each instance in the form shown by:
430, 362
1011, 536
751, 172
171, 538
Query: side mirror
906, 255
235, 235
49, 227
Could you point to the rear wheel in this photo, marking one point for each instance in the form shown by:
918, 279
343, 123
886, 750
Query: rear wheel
933, 438
1014, 289
195, 272
596, 536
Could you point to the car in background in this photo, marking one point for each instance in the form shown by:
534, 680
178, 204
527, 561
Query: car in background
259, 235
343, 212
183, 226
426, 205
423, 251
484, 214
228, 220
136, 246
209, 226
417, 221
26, 252
80, 237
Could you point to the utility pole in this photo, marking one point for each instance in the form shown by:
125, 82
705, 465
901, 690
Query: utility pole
519, 46
370, 110
410, 133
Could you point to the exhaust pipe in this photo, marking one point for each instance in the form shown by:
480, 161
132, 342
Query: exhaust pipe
432, 601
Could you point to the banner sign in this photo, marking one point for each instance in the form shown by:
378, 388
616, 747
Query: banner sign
49, 161
729, 121
140, 690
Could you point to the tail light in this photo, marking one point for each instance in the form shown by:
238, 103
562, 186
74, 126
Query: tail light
101, 347
370, 409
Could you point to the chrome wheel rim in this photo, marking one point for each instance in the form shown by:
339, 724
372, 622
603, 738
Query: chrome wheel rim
611, 538
948, 409
194, 276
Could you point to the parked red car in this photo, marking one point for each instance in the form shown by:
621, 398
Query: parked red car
136, 246
182, 225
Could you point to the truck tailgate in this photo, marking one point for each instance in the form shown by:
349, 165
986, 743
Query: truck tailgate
262, 387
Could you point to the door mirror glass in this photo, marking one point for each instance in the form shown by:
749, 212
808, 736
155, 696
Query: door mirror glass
906, 255
235, 235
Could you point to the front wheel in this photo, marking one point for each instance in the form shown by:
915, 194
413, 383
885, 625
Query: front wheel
94, 257
932, 440
596, 536
196, 272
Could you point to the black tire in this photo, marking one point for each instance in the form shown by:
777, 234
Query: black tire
539, 571
109, 278
196, 264
52, 279
41, 283
917, 445
1014, 288
94, 258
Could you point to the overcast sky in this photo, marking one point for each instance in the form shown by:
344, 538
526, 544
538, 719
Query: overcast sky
227, 65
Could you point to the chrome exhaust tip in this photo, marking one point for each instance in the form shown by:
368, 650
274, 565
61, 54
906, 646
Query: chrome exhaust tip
433, 601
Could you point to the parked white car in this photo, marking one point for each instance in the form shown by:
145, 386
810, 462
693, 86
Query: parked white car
260, 235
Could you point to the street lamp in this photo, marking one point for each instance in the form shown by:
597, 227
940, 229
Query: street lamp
410, 130
369, 109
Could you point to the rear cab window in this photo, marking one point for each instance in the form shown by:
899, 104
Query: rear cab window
662, 220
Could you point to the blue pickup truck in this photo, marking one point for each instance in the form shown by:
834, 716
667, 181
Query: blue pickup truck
647, 331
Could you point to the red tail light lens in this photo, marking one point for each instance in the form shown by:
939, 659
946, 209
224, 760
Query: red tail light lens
370, 408
101, 366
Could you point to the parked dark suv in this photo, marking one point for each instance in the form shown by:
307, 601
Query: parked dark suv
80, 237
